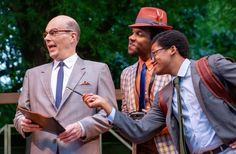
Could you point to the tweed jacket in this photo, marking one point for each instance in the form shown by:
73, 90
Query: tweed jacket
218, 112
163, 142
37, 96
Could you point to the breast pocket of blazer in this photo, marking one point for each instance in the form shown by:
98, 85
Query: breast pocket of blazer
85, 87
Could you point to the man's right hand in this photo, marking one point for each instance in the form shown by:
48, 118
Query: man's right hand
27, 126
95, 101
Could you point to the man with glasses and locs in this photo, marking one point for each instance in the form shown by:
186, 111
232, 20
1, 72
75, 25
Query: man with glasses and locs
51, 90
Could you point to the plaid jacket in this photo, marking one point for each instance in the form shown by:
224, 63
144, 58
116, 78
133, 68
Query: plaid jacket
164, 143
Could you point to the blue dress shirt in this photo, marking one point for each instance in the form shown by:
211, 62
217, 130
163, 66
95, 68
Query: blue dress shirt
199, 134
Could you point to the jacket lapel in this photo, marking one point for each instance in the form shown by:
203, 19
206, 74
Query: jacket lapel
167, 97
195, 79
171, 121
132, 87
75, 77
45, 78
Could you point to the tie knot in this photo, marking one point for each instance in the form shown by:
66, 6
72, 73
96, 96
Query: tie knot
61, 64
144, 66
176, 81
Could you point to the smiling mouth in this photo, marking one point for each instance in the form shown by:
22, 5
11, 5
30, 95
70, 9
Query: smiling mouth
131, 46
154, 63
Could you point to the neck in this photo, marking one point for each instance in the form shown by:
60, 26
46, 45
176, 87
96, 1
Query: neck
176, 65
65, 56
144, 57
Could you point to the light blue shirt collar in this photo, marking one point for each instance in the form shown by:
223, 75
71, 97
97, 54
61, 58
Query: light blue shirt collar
183, 69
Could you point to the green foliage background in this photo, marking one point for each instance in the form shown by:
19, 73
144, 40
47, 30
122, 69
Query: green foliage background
209, 25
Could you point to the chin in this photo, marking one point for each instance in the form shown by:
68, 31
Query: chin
160, 72
53, 56
132, 53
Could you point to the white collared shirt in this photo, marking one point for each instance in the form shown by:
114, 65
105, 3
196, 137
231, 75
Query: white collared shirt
68, 67
199, 133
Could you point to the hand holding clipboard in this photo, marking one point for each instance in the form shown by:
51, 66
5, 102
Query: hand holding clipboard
48, 124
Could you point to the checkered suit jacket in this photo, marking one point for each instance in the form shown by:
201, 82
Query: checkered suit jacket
163, 142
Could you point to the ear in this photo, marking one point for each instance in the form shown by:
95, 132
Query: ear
173, 50
74, 36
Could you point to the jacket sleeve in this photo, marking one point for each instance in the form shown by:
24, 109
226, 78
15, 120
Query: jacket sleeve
98, 123
139, 131
23, 101
124, 107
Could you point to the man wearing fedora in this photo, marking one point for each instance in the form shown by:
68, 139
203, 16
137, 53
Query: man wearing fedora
139, 83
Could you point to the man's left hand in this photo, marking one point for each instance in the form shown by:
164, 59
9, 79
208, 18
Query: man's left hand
72, 133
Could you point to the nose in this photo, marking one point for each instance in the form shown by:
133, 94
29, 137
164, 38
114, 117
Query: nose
153, 57
154, 62
131, 37
46, 40
46, 37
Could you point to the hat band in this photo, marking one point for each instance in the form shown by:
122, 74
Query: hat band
148, 21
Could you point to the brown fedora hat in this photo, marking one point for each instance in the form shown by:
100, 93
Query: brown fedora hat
151, 17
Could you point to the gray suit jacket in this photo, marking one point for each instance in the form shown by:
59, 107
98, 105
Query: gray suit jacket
37, 96
220, 114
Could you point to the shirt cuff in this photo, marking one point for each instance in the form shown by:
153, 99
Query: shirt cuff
111, 116
82, 130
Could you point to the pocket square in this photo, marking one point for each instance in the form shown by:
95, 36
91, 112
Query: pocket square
85, 83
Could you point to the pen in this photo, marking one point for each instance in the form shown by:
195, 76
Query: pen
75, 91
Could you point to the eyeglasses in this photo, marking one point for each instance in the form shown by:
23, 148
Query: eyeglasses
154, 53
54, 32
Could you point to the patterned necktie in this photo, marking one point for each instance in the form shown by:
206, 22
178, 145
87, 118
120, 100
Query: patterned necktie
182, 146
142, 88
60, 76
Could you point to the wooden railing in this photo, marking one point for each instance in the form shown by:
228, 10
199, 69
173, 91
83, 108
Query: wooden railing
9, 98
12, 98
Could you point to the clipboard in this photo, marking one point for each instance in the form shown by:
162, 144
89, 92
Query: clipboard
48, 124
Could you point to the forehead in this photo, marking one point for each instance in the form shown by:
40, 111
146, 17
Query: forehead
57, 22
155, 46
143, 30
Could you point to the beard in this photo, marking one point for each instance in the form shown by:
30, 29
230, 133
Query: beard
132, 51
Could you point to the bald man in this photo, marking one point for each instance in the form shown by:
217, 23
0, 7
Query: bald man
51, 89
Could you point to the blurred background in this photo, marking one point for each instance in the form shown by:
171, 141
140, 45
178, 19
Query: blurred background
210, 26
